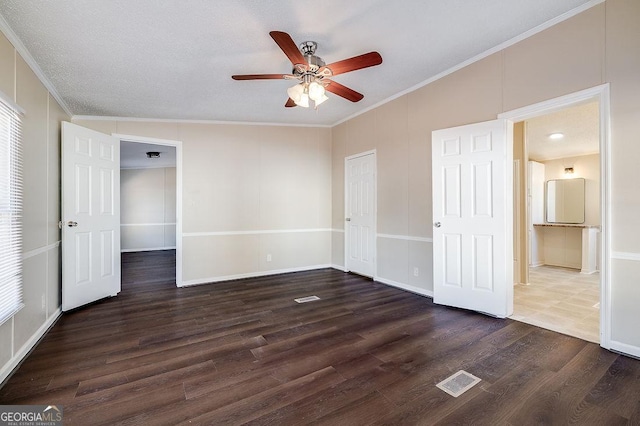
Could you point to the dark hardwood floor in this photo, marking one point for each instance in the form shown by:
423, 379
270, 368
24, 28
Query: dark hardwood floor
245, 352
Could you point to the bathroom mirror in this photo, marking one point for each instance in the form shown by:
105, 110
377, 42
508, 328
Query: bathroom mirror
565, 201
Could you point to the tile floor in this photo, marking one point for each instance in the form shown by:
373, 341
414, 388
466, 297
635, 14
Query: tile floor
562, 300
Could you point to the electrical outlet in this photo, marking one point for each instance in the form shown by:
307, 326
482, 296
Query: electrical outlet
268, 258
416, 272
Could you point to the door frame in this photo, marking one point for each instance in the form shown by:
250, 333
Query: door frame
601, 94
178, 147
375, 209
517, 226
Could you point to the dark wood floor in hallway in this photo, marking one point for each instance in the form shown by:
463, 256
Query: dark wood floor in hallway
244, 352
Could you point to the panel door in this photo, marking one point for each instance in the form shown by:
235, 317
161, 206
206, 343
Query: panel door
91, 216
473, 217
360, 215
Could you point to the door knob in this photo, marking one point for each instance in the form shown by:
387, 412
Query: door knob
437, 224
72, 224
348, 219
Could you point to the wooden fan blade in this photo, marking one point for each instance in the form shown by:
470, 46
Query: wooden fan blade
356, 63
290, 103
343, 91
288, 46
259, 77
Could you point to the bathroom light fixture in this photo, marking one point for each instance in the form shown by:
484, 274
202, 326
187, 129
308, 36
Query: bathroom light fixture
153, 154
568, 170
556, 136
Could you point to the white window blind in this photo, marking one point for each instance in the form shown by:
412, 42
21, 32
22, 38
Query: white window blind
10, 212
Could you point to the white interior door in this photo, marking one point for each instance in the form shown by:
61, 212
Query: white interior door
90, 216
473, 217
360, 250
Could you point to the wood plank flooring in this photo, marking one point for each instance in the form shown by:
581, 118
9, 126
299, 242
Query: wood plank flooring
243, 352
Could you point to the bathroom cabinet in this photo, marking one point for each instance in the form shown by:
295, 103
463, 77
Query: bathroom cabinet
571, 245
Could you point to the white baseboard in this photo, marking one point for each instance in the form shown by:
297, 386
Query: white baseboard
565, 265
19, 356
199, 281
407, 287
147, 249
624, 348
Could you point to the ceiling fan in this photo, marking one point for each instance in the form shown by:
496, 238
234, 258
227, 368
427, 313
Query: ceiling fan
312, 73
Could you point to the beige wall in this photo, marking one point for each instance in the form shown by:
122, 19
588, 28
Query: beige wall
600, 45
148, 209
247, 192
41, 204
400, 131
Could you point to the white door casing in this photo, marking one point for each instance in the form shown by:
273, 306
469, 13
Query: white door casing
360, 214
177, 145
90, 216
472, 170
601, 94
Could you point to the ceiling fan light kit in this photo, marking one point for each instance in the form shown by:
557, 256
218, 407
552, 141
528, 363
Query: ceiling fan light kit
298, 95
301, 93
312, 72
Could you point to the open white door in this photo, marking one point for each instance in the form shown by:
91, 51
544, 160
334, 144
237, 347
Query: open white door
473, 217
360, 214
90, 216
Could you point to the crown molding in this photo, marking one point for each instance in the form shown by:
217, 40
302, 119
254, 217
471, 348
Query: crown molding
535, 30
177, 120
24, 53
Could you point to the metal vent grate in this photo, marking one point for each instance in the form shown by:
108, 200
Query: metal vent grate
459, 383
306, 299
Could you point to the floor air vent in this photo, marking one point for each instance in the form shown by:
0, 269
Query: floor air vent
307, 299
459, 383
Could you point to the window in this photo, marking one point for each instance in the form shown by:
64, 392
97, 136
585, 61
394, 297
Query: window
10, 212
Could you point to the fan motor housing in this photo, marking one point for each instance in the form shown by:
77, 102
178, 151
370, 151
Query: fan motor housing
308, 50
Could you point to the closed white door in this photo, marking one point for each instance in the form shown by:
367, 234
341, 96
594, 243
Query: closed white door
360, 250
473, 217
90, 216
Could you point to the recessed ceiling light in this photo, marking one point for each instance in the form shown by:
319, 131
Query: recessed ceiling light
556, 136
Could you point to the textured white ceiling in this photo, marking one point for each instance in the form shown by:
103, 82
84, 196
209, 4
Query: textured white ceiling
173, 59
581, 129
